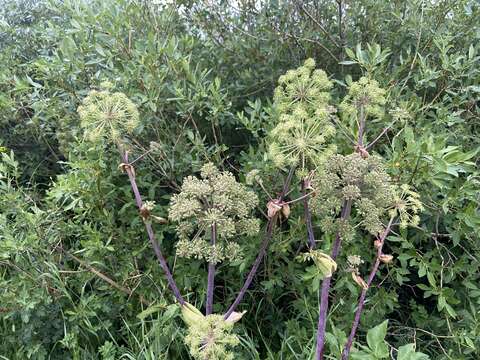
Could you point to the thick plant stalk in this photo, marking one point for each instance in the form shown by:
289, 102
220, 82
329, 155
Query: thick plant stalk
347, 207
211, 274
323, 309
308, 217
263, 248
151, 235
361, 300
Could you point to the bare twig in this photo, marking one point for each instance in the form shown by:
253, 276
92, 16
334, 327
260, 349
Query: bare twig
320, 26
103, 276
384, 131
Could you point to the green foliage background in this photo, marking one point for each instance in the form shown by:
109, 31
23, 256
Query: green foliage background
202, 75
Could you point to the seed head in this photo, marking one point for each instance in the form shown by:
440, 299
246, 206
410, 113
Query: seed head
303, 131
366, 94
108, 116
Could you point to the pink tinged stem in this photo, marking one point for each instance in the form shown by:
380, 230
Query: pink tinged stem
361, 300
323, 310
263, 249
211, 274
151, 234
347, 206
377, 138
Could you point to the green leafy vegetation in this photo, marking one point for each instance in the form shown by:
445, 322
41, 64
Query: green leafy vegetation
258, 180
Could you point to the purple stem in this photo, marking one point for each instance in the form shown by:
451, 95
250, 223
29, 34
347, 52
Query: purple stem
263, 249
361, 300
308, 218
323, 310
347, 207
151, 235
211, 274
377, 138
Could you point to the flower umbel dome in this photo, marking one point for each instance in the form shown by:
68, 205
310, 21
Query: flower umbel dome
214, 198
303, 130
107, 115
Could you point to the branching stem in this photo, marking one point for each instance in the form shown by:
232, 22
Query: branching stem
151, 235
263, 248
345, 214
211, 274
304, 197
361, 300
324, 292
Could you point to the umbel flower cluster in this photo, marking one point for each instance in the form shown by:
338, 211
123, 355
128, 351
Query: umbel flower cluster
407, 206
107, 115
303, 130
209, 337
362, 181
216, 198
367, 95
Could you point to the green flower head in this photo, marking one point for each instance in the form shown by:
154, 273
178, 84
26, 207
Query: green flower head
216, 198
303, 130
407, 206
106, 115
364, 182
364, 94
211, 338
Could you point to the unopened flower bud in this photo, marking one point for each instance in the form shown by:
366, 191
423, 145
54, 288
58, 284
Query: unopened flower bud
307, 183
126, 167
358, 279
286, 210
273, 206
159, 219
386, 259
235, 316
191, 315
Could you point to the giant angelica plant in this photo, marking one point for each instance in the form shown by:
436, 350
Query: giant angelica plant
108, 118
303, 140
208, 210
302, 137
212, 213
299, 141
356, 198
352, 195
